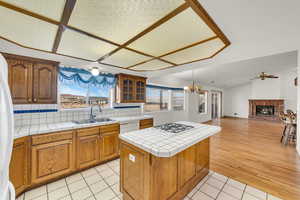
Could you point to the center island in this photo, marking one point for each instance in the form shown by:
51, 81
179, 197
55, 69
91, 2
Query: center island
164, 162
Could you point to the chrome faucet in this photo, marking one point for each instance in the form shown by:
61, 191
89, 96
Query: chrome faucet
92, 116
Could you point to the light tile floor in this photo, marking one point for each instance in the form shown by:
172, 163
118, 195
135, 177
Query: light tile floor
102, 183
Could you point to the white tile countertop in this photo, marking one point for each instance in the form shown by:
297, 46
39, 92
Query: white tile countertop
22, 131
164, 144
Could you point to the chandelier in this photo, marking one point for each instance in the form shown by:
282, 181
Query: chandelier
194, 88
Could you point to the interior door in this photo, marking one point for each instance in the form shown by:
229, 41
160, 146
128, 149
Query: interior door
216, 104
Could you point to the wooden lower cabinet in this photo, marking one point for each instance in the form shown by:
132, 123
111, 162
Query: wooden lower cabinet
202, 155
146, 123
148, 177
52, 160
43, 158
88, 147
19, 168
187, 165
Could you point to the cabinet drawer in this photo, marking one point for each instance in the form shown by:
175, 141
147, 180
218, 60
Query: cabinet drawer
88, 131
110, 128
51, 137
146, 123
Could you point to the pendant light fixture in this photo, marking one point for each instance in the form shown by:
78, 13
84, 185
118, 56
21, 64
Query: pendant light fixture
194, 88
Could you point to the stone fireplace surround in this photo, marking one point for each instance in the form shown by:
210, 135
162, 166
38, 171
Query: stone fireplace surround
277, 103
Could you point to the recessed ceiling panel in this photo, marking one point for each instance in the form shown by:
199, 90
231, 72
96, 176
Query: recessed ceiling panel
119, 20
49, 8
125, 58
151, 66
26, 30
79, 45
197, 52
184, 29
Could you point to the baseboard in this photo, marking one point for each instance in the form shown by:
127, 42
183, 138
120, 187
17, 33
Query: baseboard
235, 117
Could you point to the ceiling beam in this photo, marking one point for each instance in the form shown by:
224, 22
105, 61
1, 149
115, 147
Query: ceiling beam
196, 6
68, 9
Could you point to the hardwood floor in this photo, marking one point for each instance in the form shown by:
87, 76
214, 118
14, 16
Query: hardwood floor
250, 151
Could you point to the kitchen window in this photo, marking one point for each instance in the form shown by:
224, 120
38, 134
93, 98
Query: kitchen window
202, 107
79, 89
178, 100
157, 99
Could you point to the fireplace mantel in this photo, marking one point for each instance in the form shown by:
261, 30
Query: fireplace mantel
277, 103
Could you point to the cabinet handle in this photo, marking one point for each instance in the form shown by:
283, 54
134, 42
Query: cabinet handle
29, 100
34, 99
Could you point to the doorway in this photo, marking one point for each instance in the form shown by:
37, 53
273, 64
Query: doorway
216, 104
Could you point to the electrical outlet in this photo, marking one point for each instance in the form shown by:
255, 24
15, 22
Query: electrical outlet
131, 157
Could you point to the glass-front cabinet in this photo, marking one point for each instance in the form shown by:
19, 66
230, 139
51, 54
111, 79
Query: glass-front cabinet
131, 89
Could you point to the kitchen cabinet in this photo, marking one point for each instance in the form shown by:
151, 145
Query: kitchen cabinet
187, 165
18, 169
43, 158
52, 156
131, 89
109, 141
44, 83
88, 147
202, 155
146, 123
32, 80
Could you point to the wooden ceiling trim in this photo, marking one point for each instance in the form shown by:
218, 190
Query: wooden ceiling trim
8, 40
29, 13
150, 28
196, 6
68, 9
90, 35
189, 46
154, 58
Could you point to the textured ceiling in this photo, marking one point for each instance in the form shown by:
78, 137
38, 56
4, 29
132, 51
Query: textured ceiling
139, 36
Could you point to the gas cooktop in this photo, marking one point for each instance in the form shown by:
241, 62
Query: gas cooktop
174, 127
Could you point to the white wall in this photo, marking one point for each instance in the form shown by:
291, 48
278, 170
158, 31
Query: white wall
236, 98
236, 101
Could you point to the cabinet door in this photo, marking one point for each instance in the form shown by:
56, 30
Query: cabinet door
127, 88
45, 83
88, 151
109, 145
20, 80
146, 123
52, 160
203, 155
18, 169
140, 90
187, 165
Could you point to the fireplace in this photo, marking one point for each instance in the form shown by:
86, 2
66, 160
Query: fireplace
267, 109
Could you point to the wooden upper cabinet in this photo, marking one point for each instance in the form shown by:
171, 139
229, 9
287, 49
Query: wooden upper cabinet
32, 80
45, 83
131, 89
20, 80
19, 164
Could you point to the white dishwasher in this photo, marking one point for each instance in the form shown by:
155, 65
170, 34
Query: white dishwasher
129, 126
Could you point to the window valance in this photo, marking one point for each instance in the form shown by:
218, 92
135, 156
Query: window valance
85, 79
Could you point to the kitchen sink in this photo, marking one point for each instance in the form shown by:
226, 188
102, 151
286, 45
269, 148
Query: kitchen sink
90, 121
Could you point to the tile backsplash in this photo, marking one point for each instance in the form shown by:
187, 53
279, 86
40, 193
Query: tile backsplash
32, 114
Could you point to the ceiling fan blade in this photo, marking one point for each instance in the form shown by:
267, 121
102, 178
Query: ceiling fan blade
272, 76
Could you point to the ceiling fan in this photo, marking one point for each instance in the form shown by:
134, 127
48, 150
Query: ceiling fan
263, 76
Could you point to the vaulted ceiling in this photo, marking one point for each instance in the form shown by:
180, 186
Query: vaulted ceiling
136, 35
